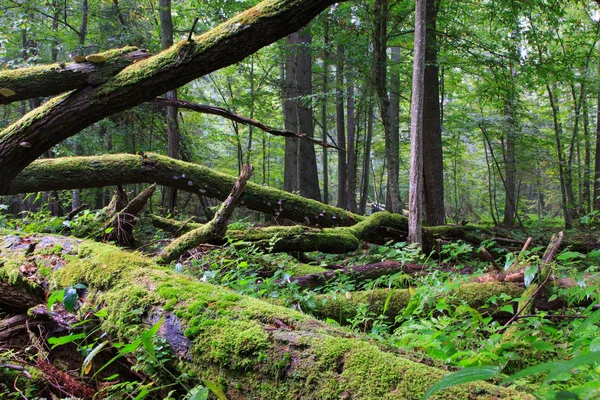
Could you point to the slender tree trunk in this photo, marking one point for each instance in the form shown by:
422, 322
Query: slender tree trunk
596, 198
364, 193
416, 131
324, 124
395, 114
433, 163
341, 128
586, 158
290, 109
350, 152
308, 177
566, 206
392, 199
173, 135
510, 166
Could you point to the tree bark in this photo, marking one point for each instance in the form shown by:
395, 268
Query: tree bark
433, 162
290, 113
308, 178
342, 199
109, 170
350, 152
416, 131
213, 230
226, 44
324, 119
217, 333
173, 136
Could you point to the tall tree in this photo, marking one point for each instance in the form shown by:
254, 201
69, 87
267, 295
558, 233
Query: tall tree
380, 18
416, 128
290, 112
173, 135
340, 127
433, 163
308, 177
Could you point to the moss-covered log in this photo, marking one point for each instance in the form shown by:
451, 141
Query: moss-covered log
250, 347
342, 308
213, 230
226, 44
110, 170
50, 80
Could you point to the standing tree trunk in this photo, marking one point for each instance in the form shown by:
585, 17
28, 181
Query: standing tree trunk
290, 112
433, 163
341, 127
308, 177
395, 112
173, 136
416, 128
324, 124
364, 193
392, 198
510, 166
350, 153
596, 198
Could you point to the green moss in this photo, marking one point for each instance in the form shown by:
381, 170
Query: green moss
476, 295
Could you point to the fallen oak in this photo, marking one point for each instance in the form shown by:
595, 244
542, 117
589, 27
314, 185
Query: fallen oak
249, 345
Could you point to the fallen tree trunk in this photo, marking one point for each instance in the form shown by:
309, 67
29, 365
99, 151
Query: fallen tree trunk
50, 80
247, 345
213, 230
110, 170
230, 42
120, 226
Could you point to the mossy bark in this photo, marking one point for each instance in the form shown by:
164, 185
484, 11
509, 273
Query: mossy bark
50, 80
109, 170
250, 347
226, 44
213, 230
393, 302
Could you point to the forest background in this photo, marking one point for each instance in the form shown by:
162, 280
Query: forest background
511, 97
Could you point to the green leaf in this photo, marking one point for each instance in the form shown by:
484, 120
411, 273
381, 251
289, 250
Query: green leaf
591, 320
569, 255
543, 346
131, 347
556, 367
149, 334
217, 391
55, 296
59, 341
70, 299
465, 375
101, 314
198, 393
530, 273
87, 363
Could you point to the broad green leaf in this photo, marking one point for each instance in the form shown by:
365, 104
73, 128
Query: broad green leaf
543, 346
530, 273
465, 375
131, 347
217, 391
569, 255
55, 296
70, 299
149, 334
87, 363
59, 341
198, 393
591, 320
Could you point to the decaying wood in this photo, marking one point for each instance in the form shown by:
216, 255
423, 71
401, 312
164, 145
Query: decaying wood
227, 335
360, 272
222, 112
50, 80
76, 211
120, 226
226, 44
213, 230
110, 170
